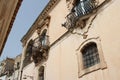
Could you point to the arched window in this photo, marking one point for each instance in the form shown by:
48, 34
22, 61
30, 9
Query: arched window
44, 39
90, 55
41, 73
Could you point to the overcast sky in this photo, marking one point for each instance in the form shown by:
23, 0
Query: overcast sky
27, 14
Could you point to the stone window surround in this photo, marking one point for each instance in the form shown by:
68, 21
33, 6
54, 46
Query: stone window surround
90, 55
44, 25
100, 66
42, 65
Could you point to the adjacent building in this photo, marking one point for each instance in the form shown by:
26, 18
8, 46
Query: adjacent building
2, 75
7, 69
17, 67
8, 11
73, 40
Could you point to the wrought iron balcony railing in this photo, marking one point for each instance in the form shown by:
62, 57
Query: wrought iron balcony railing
37, 49
80, 11
84, 7
41, 42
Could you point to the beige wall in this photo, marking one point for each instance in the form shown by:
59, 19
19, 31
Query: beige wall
30, 72
107, 25
62, 63
58, 15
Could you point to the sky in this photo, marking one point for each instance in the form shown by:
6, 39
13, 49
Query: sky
27, 14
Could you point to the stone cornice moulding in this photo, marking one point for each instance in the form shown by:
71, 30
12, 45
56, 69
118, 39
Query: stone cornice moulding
40, 20
10, 23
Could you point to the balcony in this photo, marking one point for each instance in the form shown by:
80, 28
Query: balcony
40, 48
81, 11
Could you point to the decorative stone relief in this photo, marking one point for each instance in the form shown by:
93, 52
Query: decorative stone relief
84, 27
70, 4
80, 14
40, 47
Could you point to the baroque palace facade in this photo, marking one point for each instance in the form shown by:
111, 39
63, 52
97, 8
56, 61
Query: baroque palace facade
73, 40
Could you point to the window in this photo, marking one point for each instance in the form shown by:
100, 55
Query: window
90, 56
43, 37
41, 73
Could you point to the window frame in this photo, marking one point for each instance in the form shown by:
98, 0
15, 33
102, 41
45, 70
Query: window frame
90, 58
100, 66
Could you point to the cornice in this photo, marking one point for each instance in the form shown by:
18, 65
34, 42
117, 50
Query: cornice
11, 23
40, 20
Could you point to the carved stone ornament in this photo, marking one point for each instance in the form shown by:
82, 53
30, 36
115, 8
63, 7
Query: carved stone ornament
40, 47
70, 4
47, 20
